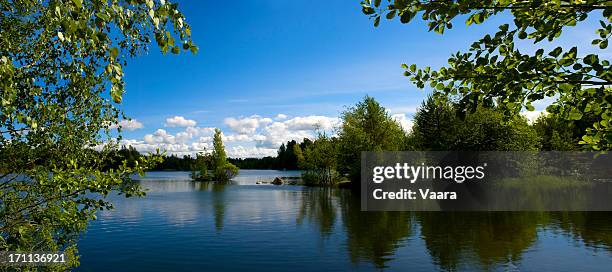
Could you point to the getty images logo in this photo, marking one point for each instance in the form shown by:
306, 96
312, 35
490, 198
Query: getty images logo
412, 173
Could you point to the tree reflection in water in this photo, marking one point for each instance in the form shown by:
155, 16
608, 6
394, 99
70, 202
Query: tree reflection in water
318, 206
372, 236
218, 199
452, 239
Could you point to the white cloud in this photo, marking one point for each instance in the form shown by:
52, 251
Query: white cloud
242, 138
403, 120
250, 152
170, 148
160, 137
278, 133
206, 139
532, 116
246, 125
179, 121
255, 136
183, 137
312, 122
129, 125
201, 147
197, 131
269, 134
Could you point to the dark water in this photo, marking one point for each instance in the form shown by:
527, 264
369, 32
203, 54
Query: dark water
187, 226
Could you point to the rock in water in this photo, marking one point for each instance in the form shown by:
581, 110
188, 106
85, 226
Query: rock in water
277, 181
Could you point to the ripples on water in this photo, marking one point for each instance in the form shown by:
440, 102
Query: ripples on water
189, 226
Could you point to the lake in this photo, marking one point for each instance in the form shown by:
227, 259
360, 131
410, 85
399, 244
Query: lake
189, 226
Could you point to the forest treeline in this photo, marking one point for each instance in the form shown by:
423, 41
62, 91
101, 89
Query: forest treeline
367, 126
286, 159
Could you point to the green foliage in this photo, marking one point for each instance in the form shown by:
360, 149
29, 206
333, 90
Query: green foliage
320, 162
218, 155
174, 163
224, 170
287, 158
366, 127
299, 156
494, 71
556, 133
434, 126
442, 127
199, 171
61, 70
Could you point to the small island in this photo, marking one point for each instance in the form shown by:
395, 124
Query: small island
223, 171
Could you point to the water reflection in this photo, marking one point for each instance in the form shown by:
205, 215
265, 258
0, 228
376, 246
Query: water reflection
372, 236
322, 227
594, 229
454, 238
319, 206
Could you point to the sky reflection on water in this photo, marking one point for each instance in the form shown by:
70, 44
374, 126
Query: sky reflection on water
183, 225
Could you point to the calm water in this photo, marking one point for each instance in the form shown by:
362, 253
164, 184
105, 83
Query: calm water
187, 226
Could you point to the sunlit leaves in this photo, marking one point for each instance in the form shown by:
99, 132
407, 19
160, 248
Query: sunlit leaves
61, 65
494, 71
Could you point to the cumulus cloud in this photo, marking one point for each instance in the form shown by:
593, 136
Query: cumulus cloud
180, 121
246, 125
403, 120
160, 136
532, 116
312, 122
129, 125
249, 152
197, 131
254, 136
170, 148
242, 138
296, 128
269, 134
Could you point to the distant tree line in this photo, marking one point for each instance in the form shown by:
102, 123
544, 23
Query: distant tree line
286, 159
367, 126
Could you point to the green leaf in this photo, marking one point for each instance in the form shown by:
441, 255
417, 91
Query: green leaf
114, 52
603, 44
575, 115
103, 16
391, 14
367, 10
556, 52
591, 59
406, 17
116, 94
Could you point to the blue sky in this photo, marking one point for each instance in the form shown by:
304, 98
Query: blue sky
269, 71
